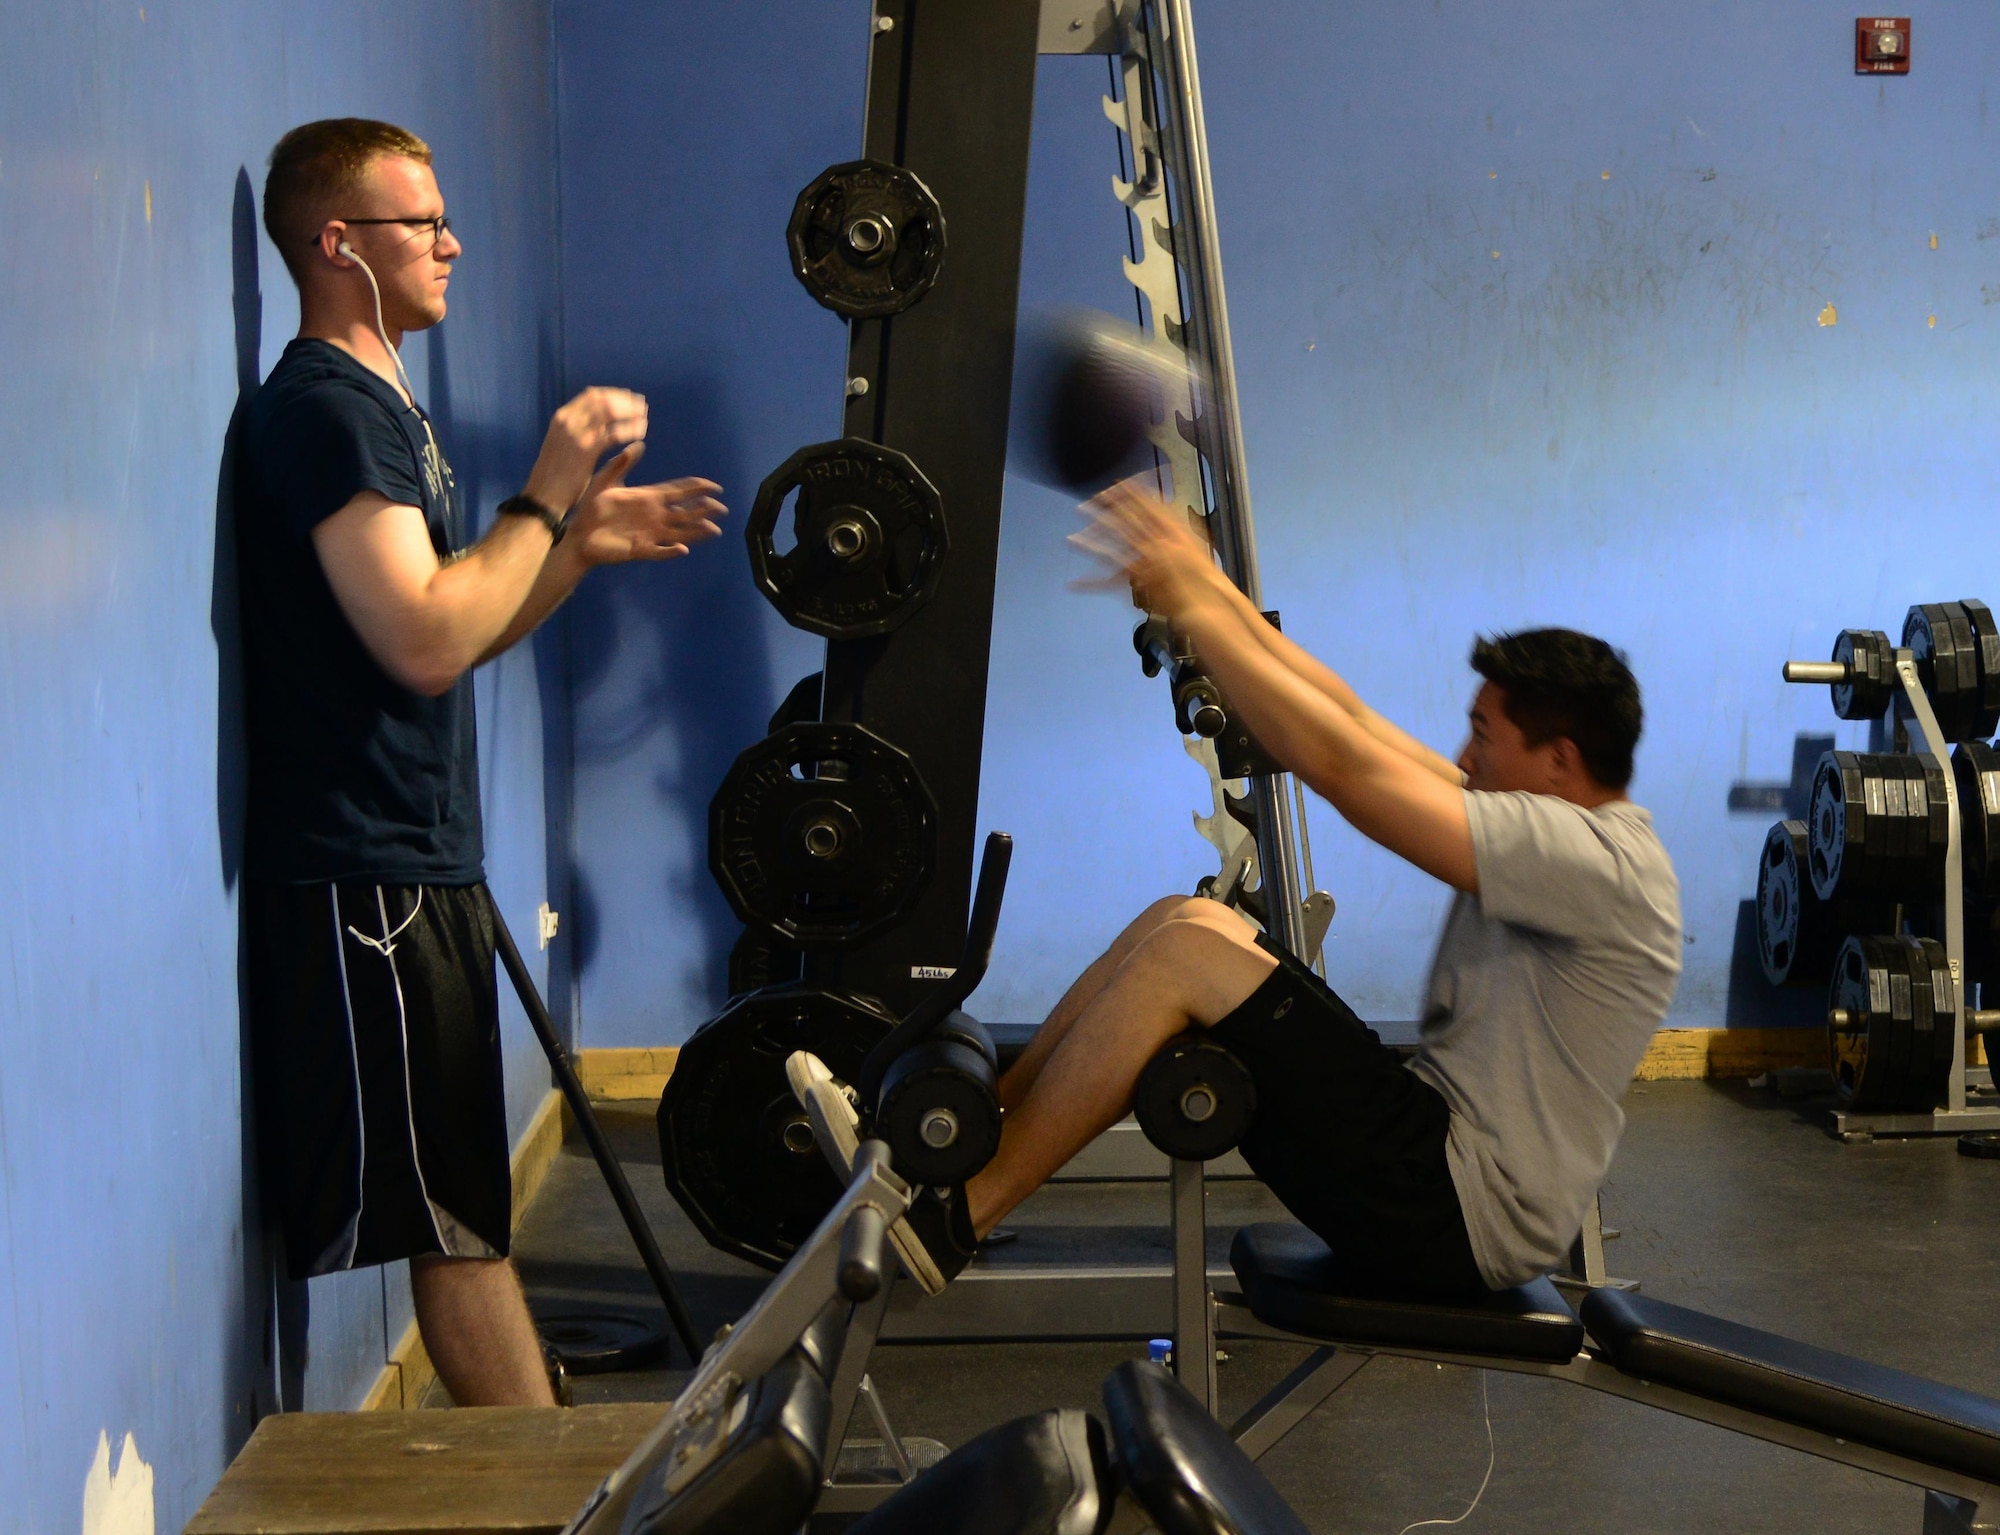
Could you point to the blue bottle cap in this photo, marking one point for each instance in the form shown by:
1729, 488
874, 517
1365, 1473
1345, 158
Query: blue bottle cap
1159, 1350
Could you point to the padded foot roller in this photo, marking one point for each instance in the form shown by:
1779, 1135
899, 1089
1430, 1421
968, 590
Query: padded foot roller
837, 1129
1292, 1280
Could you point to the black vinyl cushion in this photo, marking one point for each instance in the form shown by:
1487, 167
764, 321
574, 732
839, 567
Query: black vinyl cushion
766, 1479
1046, 1474
1290, 1279
1815, 1387
1181, 1464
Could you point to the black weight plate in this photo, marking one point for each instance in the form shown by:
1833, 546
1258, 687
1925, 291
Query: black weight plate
1931, 1049
601, 1342
757, 960
1872, 987
867, 540
822, 834
736, 1148
1939, 637
1876, 825
1798, 933
1976, 767
1986, 642
867, 239
1836, 824
1873, 658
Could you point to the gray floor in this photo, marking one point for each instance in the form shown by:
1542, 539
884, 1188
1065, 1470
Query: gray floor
1731, 1200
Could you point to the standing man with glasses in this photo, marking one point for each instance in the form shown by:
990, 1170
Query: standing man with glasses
372, 994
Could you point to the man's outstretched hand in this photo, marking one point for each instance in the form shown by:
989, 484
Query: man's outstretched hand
1146, 545
614, 523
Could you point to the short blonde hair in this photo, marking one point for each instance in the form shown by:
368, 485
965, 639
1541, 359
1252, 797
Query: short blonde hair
317, 163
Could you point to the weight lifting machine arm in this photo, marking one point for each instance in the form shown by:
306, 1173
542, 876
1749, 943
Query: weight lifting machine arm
951, 994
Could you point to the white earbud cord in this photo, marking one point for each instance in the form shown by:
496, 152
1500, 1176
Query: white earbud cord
382, 330
386, 944
1486, 1406
395, 356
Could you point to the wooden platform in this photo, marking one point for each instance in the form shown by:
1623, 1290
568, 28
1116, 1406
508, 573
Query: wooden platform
467, 1471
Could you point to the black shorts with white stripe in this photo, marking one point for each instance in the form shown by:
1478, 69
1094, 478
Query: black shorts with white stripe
375, 1031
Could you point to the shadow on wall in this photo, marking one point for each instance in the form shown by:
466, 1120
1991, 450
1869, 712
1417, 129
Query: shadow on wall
681, 646
271, 1343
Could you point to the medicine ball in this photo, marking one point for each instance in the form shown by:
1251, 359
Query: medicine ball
1091, 389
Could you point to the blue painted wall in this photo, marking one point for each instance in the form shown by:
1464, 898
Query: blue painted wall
133, 1292
1526, 306
676, 283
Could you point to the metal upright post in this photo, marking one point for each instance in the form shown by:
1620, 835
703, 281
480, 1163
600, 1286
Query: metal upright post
1219, 418
1194, 1313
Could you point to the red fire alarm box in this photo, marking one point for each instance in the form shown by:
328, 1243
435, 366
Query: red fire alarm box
1882, 45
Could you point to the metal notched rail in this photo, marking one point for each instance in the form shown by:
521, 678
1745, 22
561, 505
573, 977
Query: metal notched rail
1177, 268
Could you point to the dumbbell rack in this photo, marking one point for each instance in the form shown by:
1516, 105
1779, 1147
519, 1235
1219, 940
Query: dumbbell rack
1959, 1114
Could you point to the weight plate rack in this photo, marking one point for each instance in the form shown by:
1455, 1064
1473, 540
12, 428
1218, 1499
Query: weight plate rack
1869, 894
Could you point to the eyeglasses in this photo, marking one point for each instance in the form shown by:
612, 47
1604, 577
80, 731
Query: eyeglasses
437, 226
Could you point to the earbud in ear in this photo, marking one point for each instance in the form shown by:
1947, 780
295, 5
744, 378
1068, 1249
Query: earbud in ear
347, 250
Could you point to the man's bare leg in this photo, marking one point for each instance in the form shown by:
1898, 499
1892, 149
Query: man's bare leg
1082, 992
476, 1328
1196, 967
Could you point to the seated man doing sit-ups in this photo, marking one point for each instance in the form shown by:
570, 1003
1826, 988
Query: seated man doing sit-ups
1472, 1165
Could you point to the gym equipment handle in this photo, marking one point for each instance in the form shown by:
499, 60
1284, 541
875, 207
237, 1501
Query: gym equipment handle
1835, 672
930, 1012
867, 1229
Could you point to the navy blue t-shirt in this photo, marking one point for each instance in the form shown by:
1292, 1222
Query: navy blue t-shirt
352, 775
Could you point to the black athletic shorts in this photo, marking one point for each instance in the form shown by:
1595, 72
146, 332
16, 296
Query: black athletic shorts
375, 1036
1350, 1139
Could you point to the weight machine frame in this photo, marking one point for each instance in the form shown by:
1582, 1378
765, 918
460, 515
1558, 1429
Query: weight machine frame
1958, 1115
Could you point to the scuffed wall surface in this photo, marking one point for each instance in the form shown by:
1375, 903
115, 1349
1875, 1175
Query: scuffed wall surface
133, 1295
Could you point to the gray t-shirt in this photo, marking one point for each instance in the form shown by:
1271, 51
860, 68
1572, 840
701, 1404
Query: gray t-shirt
1546, 988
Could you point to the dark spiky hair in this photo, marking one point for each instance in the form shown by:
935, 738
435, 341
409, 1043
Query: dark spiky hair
1558, 683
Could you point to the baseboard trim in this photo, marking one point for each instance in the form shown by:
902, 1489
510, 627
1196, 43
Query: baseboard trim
621, 1075
409, 1374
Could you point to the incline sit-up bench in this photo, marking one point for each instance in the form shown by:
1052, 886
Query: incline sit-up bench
1932, 1436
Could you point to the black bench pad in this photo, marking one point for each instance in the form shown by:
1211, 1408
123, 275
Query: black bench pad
1289, 1279
1182, 1466
1867, 1403
1046, 1474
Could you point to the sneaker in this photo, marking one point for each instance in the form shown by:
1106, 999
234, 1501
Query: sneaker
836, 1125
934, 1239
941, 1242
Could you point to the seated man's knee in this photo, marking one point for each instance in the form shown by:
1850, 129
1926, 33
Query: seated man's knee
1207, 955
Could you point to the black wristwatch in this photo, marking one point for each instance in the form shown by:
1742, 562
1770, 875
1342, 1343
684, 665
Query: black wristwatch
528, 506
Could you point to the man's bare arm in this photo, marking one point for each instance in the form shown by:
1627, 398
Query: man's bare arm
1319, 675
426, 623
1390, 796
423, 622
